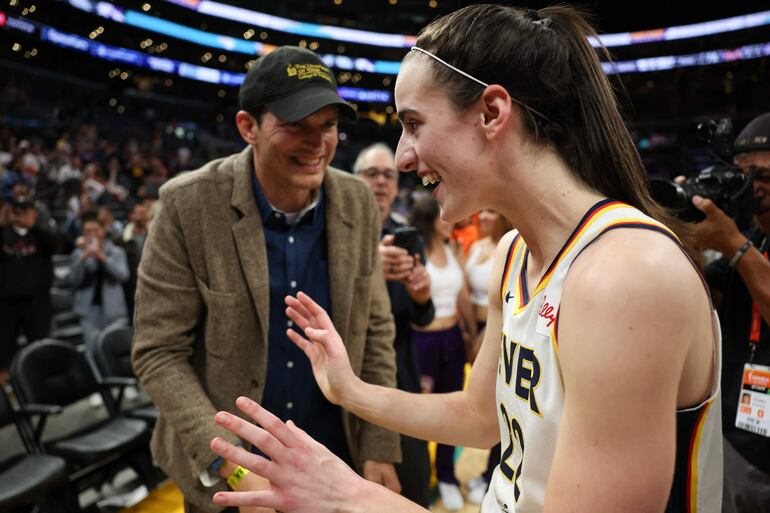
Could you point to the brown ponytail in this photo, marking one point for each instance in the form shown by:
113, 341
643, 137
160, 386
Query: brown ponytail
544, 59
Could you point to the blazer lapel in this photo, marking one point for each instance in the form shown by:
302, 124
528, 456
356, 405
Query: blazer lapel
338, 232
250, 239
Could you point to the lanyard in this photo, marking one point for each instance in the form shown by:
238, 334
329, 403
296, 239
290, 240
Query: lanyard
756, 324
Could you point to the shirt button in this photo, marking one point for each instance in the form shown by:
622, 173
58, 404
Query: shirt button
291, 239
290, 323
290, 364
289, 405
293, 284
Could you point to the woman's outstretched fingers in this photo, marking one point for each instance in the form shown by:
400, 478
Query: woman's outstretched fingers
297, 317
244, 458
319, 336
301, 341
266, 442
296, 304
256, 499
312, 307
269, 422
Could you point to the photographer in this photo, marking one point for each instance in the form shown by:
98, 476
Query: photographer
741, 280
26, 273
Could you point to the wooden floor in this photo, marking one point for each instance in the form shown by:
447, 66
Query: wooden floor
168, 499
165, 499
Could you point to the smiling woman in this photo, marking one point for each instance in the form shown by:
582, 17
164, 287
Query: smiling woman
599, 368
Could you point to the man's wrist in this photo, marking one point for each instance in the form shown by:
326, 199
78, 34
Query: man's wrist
733, 245
738, 254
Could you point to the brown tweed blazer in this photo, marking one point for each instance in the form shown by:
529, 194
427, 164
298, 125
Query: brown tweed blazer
202, 311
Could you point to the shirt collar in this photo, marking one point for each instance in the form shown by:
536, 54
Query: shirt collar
268, 211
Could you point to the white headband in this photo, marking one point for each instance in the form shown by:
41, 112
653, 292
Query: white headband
471, 77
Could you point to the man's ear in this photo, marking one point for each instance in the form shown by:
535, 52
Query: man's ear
496, 110
247, 126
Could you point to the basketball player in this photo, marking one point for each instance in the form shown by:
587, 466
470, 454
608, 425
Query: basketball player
599, 368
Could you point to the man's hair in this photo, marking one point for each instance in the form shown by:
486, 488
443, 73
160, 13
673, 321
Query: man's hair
89, 216
258, 113
358, 164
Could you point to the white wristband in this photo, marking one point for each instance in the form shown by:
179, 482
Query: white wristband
738, 254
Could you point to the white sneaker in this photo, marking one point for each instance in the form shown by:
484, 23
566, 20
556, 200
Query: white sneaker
477, 489
476, 481
125, 500
451, 496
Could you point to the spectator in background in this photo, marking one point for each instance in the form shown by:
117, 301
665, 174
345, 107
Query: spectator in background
478, 273
465, 233
70, 169
98, 269
409, 290
95, 184
443, 345
113, 229
20, 193
26, 273
72, 228
134, 235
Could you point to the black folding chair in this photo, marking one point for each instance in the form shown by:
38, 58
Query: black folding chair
112, 356
30, 478
52, 375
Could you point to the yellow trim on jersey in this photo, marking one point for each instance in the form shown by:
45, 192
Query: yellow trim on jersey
692, 485
574, 240
518, 243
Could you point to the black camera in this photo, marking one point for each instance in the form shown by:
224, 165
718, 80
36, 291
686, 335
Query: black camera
22, 204
724, 184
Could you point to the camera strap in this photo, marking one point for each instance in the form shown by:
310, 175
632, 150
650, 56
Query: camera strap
756, 325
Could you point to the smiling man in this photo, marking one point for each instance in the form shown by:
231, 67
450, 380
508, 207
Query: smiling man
230, 241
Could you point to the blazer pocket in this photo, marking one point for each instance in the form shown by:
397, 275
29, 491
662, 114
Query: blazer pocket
226, 315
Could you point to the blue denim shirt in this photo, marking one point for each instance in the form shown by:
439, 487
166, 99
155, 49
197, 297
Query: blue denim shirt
297, 259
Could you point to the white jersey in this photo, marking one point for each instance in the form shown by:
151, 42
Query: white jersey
530, 390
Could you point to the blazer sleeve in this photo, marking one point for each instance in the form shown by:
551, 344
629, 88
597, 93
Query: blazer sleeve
379, 363
168, 312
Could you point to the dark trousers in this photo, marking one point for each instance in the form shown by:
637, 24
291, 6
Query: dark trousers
441, 356
414, 470
31, 316
492, 462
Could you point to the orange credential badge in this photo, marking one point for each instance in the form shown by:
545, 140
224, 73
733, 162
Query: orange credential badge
754, 400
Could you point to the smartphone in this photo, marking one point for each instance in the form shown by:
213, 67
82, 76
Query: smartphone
409, 238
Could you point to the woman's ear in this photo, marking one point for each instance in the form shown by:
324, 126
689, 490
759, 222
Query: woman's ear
496, 110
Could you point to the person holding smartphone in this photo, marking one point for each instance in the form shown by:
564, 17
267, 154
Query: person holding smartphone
98, 269
408, 282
